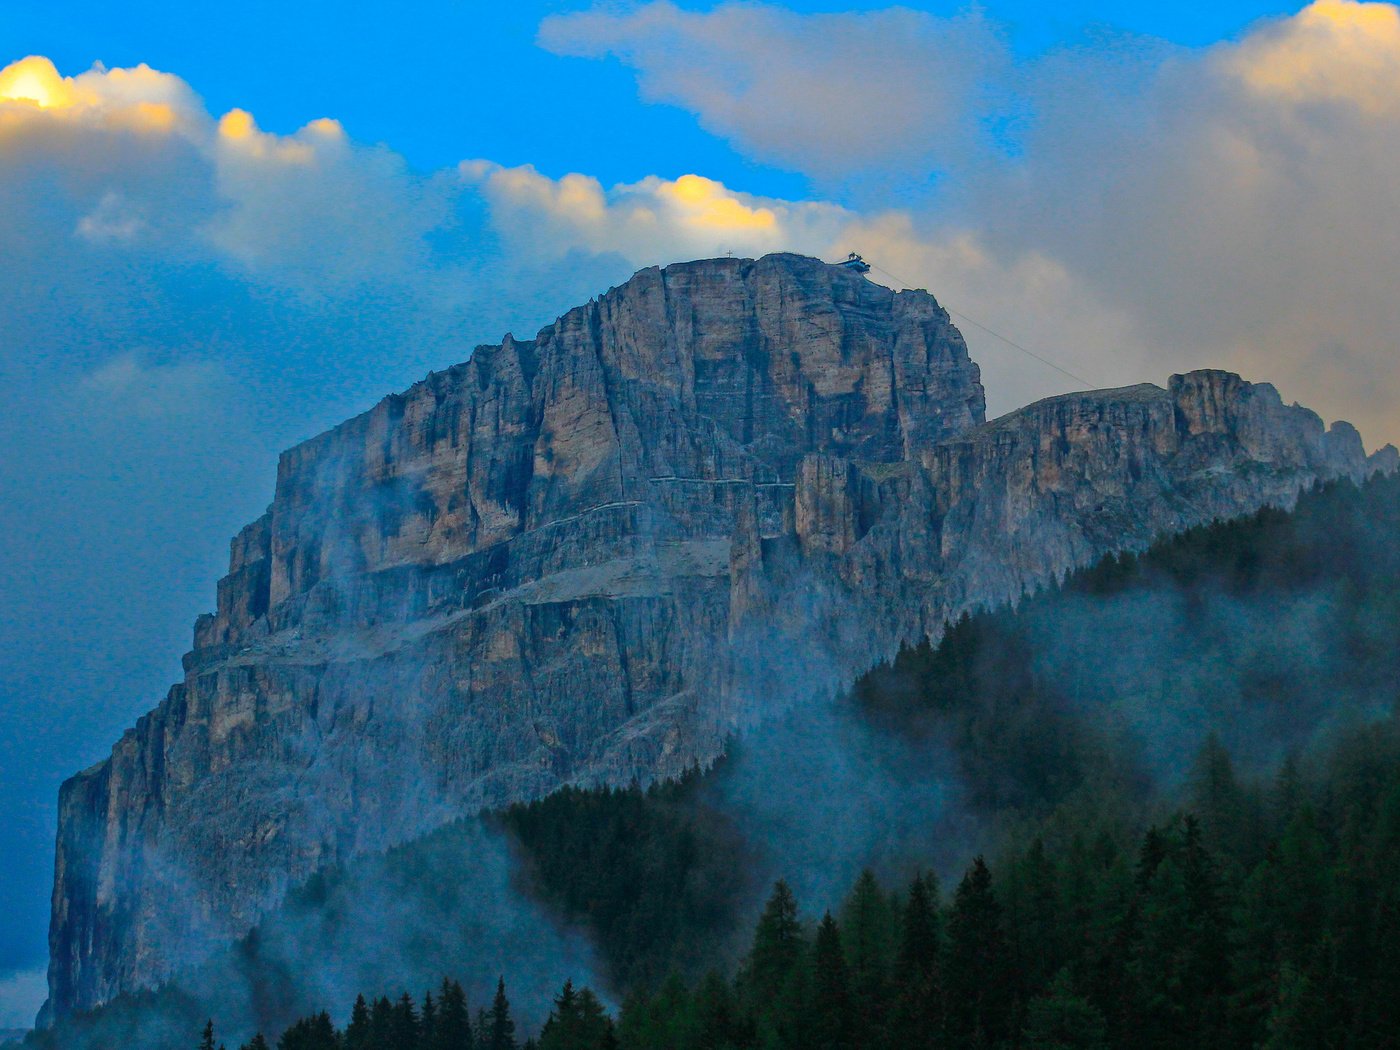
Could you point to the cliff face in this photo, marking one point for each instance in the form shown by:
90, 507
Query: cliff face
712, 492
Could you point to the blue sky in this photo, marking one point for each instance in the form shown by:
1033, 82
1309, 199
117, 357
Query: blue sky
194, 276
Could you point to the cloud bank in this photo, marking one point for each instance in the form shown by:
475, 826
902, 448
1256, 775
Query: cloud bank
801, 90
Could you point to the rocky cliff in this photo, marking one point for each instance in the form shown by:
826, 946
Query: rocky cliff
714, 491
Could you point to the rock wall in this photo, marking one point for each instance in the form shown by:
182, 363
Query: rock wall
714, 491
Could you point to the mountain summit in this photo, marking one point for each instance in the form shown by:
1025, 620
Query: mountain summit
716, 491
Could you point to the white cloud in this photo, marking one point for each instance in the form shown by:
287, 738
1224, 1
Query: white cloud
828, 93
130, 386
315, 207
311, 210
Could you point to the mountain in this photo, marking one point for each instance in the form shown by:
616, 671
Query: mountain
718, 490
1238, 678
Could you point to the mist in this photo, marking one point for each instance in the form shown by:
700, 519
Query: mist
179, 305
456, 905
1089, 689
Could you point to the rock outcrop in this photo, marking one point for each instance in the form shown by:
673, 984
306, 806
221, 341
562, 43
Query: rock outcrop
716, 490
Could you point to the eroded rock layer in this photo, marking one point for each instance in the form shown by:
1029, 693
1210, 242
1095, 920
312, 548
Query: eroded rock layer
720, 488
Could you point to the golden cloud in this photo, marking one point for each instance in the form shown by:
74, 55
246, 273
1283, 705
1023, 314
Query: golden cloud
238, 130
689, 215
707, 204
35, 80
137, 99
1335, 51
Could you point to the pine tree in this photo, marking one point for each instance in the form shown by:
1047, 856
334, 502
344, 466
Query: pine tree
978, 978
206, 1041
1150, 857
500, 1033
325, 1037
1364, 906
359, 1033
404, 1026
716, 1016
868, 933
1209, 970
1179, 964
454, 1027
1301, 868
917, 1016
774, 977
257, 1043
560, 1031
1229, 824
657, 1022
1159, 953
310, 1033
1255, 962
1299, 1017
577, 1022
777, 946
381, 1023
1061, 1019
1105, 909
427, 1023
920, 939
595, 1026
832, 1014
1032, 908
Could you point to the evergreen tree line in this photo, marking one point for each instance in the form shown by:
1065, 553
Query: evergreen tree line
1275, 926
1270, 921
1263, 629
660, 876
441, 1022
